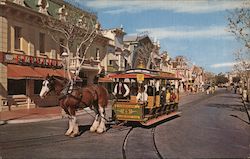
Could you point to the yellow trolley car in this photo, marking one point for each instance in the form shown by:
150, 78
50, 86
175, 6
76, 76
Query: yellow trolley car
153, 96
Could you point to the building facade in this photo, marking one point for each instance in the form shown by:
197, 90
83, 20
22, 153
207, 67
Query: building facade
117, 53
28, 53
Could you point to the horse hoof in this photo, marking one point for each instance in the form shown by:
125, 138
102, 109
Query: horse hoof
67, 134
92, 129
74, 135
100, 131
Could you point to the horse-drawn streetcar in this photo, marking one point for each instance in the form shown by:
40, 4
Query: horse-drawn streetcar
145, 96
153, 96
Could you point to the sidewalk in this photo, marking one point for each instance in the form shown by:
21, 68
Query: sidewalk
32, 115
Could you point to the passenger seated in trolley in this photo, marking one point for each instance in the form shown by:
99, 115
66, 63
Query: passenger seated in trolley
142, 96
121, 90
172, 95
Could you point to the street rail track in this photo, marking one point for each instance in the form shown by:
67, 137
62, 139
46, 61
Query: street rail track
125, 141
155, 146
157, 152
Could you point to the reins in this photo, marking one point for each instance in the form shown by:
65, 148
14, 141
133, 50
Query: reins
96, 113
67, 91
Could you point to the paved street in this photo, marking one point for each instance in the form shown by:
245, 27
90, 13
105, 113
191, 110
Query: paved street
210, 126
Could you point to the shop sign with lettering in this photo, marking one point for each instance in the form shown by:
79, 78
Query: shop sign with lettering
31, 60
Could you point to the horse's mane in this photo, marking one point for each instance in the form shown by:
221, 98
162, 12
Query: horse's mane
59, 77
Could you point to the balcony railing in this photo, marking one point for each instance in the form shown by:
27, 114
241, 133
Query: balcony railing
112, 69
75, 63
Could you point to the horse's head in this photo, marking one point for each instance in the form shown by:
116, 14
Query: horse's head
47, 86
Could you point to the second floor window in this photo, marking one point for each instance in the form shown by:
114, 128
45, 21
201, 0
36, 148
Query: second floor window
97, 54
42, 42
110, 62
17, 37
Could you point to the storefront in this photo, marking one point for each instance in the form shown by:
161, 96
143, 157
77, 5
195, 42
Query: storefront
25, 75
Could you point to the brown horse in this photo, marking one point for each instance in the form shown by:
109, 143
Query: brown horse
72, 97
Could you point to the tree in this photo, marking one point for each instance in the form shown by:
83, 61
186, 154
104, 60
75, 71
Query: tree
209, 77
220, 79
239, 26
236, 79
72, 30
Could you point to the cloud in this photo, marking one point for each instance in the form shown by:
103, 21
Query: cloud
188, 32
184, 6
226, 64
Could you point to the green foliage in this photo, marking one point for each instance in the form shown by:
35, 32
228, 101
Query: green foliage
220, 79
236, 79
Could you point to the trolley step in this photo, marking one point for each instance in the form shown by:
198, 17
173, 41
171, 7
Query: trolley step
160, 118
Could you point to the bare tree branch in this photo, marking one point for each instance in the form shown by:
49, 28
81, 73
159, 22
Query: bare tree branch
77, 29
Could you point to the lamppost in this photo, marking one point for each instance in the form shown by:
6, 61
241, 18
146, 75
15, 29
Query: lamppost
64, 56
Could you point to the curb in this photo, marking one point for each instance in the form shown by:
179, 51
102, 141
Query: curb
21, 121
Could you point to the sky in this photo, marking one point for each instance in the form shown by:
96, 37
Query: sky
196, 29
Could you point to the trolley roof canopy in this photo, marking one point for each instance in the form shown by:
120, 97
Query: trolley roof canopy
148, 74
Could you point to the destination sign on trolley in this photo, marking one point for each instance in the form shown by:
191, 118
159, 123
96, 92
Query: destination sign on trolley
140, 77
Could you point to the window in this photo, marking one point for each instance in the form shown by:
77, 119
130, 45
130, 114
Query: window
97, 54
42, 42
84, 78
17, 31
126, 63
110, 62
16, 87
37, 86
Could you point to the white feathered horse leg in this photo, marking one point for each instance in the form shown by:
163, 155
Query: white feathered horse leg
101, 128
70, 129
75, 127
95, 123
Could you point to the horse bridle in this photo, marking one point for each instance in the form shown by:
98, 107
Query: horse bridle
50, 84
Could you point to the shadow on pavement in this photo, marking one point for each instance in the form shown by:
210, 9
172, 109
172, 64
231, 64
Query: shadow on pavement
233, 107
83, 129
239, 118
229, 96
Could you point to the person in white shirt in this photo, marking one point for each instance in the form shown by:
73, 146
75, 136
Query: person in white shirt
142, 96
121, 90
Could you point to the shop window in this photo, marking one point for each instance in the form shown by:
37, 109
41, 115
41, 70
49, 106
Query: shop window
37, 86
16, 87
18, 37
42, 42
84, 78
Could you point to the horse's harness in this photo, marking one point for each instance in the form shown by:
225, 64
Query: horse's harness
68, 90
